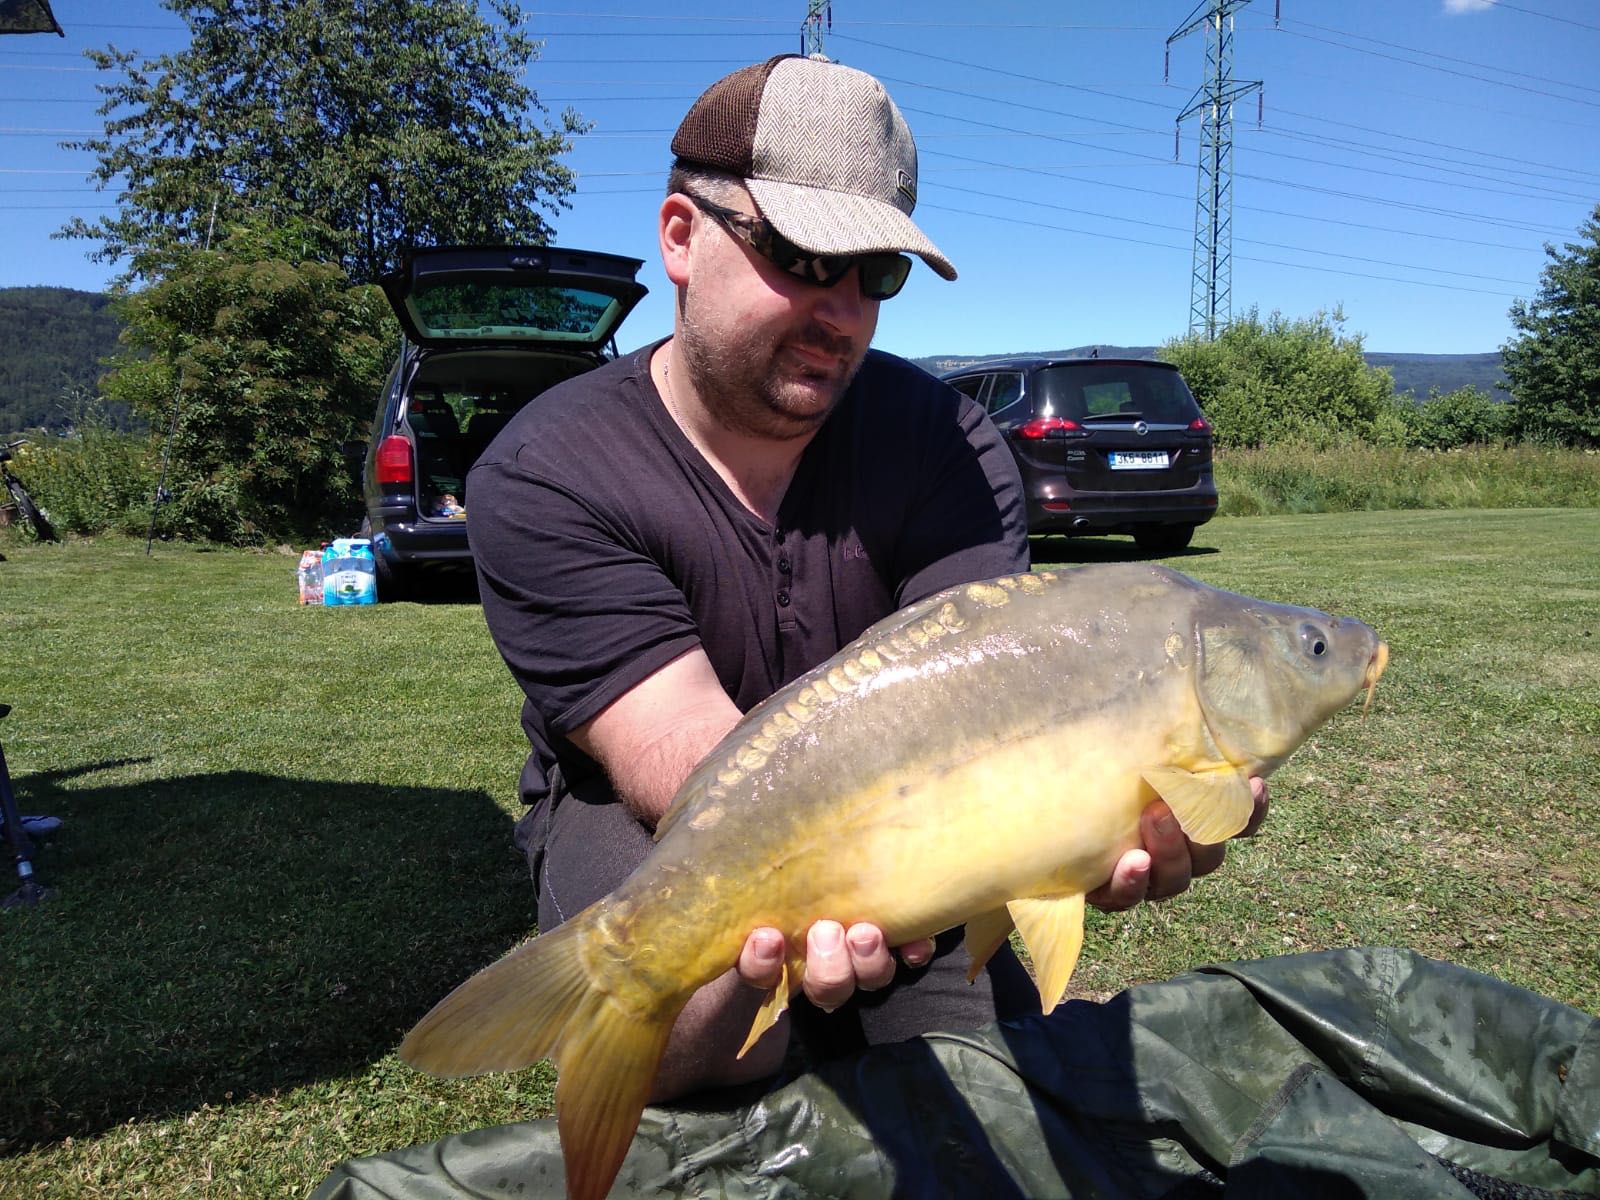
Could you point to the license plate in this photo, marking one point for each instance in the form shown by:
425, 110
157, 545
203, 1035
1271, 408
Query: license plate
1138, 460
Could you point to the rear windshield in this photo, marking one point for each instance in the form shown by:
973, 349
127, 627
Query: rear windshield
1149, 393
473, 311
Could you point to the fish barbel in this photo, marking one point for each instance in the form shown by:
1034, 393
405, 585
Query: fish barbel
982, 756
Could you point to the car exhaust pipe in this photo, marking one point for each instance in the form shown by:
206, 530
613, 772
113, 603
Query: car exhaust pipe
1079, 523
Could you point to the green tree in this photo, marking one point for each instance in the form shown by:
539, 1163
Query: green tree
273, 362
1554, 365
377, 122
1283, 380
1466, 416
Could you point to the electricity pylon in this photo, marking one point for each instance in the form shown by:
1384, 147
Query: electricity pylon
817, 11
1211, 285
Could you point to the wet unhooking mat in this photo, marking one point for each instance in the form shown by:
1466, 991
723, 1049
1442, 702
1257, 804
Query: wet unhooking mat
1374, 1073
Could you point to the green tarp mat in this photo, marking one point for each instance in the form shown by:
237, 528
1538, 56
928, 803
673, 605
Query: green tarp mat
28, 16
1367, 1073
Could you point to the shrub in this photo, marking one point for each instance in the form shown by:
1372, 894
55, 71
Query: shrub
96, 479
1467, 416
1281, 381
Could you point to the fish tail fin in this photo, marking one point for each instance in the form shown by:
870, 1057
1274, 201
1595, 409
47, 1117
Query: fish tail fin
510, 1014
539, 1001
608, 1069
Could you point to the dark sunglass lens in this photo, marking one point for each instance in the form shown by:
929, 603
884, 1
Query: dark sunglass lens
883, 275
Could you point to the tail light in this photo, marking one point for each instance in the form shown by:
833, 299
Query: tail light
1200, 425
1043, 427
394, 460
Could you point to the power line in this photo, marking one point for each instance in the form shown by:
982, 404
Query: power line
1445, 70
1465, 62
1083, 212
1520, 162
1476, 218
1474, 170
1246, 257
1547, 16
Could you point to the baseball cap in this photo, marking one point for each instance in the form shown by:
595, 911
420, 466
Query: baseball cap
825, 153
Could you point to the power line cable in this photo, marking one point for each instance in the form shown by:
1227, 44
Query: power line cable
1547, 16
1465, 62
1245, 257
1517, 160
1445, 70
1382, 262
1475, 170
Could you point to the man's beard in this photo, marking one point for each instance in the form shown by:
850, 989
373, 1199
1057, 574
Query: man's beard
748, 382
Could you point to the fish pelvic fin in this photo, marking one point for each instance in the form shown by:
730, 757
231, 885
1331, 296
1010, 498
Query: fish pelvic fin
1052, 929
608, 1067
777, 1002
1211, 806
986, 933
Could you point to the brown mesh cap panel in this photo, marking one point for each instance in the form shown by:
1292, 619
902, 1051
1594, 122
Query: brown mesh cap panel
720, 129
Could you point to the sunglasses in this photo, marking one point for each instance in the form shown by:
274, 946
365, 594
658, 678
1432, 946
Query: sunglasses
882, 275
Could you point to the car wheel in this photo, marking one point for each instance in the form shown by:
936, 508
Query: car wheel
1163, 539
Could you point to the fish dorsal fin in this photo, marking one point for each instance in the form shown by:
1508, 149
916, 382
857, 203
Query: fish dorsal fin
986, 933
1052, 929
794, 971
1211, 806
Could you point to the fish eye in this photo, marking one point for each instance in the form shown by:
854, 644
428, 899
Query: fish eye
1314, 640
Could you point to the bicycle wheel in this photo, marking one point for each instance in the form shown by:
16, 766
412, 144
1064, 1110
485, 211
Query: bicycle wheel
41, 524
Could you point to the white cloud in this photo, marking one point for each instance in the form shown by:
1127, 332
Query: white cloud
1467, 6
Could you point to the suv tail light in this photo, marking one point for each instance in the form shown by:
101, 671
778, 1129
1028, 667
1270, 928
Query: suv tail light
394, 460
1200, 425
1043, 427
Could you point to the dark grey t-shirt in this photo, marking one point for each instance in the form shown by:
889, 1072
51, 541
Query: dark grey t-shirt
606, 545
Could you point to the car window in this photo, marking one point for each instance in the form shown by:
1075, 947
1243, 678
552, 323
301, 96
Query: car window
971, 385
1151, 393
1007, 390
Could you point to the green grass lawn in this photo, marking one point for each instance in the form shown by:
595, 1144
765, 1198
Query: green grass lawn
288, 831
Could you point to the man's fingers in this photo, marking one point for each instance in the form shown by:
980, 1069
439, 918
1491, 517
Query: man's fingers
1129, 882
1258, 793
1171, 867
830, 975
870, 956
917, 954
761, 960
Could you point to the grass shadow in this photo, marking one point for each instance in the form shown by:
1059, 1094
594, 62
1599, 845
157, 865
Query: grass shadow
224, 935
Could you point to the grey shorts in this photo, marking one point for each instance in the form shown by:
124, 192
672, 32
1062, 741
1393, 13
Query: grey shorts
590, 848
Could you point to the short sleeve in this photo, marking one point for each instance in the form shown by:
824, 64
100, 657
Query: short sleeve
967, 520
579, 614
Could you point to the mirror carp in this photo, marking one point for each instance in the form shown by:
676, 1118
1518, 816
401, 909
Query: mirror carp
979, 757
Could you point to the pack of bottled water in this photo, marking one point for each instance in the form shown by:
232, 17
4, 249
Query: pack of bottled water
349, 574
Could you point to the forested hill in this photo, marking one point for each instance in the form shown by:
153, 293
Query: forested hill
1414, 373
52, 341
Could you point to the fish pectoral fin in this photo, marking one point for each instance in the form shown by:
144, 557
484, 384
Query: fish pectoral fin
986, 933
1052, 929
777, 1002
1211, 806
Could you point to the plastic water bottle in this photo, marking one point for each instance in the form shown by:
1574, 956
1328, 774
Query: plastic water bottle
309, 575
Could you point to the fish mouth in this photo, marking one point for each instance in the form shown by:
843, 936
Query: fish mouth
1375, 666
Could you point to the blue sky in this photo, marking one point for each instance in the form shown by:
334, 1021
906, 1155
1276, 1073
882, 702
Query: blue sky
1413, 156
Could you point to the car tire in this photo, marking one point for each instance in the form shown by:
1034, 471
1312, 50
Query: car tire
393, 583
1163, 539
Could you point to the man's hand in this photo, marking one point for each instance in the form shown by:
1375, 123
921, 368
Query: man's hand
838, 961
1168, 860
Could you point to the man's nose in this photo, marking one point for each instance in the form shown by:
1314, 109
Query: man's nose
843, 306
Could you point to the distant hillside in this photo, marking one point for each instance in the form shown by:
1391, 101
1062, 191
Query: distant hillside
52, 341
1414, 373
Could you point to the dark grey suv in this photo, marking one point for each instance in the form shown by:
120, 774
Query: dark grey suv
488, 328
1105, 445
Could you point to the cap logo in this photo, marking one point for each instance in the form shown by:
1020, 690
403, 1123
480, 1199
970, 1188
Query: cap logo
906, 185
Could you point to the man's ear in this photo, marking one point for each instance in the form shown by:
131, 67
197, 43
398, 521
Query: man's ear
677, 219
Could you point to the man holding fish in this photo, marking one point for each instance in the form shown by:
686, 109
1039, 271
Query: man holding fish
666, 541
